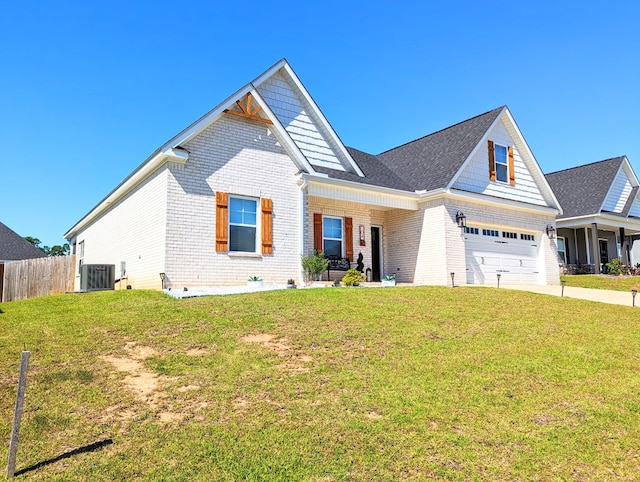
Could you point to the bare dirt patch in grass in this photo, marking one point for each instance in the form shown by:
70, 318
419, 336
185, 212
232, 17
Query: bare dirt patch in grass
295, 362
145, 384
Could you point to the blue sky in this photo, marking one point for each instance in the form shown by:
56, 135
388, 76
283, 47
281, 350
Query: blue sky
89, 90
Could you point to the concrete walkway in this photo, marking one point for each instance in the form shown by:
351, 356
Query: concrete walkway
602, 296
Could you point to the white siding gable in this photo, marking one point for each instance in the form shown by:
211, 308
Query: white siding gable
301, 123
475, 175
635, 208
618, 193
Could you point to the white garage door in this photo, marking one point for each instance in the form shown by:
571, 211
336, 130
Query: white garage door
512, 254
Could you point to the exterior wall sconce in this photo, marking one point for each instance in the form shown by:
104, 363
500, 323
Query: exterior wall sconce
498, 275
551, 232
162, 276
461, 219
633, 297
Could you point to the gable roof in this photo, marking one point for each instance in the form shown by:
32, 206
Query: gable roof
582, 190
14, 247
432, 161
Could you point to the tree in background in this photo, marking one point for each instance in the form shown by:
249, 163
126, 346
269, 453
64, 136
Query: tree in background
56, 250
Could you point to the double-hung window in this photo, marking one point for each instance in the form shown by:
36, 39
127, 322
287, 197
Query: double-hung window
242, 224
502, 165
332, 236
562, 249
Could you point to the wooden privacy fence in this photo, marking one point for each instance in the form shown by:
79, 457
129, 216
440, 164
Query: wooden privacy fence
37, 277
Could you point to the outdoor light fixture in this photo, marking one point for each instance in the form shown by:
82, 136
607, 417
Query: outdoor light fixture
563, 282
162, 276
498, 275
551, 232
461, 219
633, 297
453, 284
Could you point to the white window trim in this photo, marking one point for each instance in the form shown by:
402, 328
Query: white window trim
258, 236
563, 259
506, 161
342, 243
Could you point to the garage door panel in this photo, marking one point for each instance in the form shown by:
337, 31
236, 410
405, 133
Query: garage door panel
515, 260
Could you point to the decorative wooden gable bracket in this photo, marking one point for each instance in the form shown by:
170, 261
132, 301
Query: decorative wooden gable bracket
247, 111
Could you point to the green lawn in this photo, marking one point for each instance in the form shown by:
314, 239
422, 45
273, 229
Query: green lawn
324, 385
603, 282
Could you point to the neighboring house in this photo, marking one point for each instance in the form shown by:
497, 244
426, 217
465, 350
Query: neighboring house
263, 179
14, 247
601, 218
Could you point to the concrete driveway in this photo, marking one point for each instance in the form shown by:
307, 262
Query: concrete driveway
602, 296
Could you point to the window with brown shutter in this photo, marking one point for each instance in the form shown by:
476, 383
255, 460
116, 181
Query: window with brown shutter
267, 226
222, 222
317, 232
348, 238
492, 162
512, 172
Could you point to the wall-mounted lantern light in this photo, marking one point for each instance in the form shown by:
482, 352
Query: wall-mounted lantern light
461, 219
551, 232
162, 276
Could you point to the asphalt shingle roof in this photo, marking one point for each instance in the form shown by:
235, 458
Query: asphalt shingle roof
424, 164
431, 162
13, 247
581, 190
376, 173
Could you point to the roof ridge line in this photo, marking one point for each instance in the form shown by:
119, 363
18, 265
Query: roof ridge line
585, 165
441, 130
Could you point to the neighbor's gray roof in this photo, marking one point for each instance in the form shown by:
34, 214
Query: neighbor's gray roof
13, 247
432, 161
424, 164
581, 190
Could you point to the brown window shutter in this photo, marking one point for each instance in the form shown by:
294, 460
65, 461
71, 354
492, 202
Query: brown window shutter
348, 238
512, 172
267, 226
317, 232
492, 162
222, 222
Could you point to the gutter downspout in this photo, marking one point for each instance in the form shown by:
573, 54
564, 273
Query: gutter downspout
301, 218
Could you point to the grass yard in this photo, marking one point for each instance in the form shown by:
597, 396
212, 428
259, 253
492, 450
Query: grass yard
603, 282
323, 385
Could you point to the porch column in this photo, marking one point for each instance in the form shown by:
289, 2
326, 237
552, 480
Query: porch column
624, 248
595, 247
586, 245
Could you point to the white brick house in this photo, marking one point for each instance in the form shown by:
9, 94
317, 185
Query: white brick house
263, 178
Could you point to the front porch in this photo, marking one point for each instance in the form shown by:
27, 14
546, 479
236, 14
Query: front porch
587, 248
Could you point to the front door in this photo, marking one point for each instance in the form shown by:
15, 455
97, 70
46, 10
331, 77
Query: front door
375, 253
604, 251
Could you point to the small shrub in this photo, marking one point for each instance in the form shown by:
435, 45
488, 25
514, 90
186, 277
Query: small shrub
615, 267
314, 265
254, 278
353, 277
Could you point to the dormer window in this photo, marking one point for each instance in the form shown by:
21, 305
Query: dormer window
502, 168
501, 165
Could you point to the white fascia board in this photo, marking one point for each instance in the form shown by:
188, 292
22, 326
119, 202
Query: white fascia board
533, 163
500, 202
404, 198
152, 164
323, 119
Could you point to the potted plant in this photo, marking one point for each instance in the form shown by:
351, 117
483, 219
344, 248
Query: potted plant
353, 277
389, 280
291, 284
254, 282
